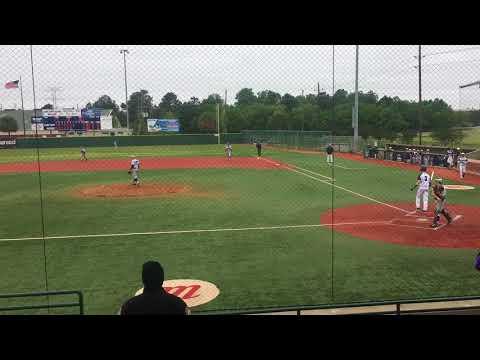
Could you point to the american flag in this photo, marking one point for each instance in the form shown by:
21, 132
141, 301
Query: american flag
12, 84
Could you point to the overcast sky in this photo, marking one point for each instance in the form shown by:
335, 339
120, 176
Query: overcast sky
85, 72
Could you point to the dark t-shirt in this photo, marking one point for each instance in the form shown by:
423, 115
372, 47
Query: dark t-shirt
329, 150
259, 145
154, 303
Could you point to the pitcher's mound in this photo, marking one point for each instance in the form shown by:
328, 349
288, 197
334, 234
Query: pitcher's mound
136, 191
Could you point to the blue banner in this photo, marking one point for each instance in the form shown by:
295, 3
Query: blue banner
167, 125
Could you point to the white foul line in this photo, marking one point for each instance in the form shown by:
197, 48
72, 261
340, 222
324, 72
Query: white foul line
172, 232
337, 186
347, 168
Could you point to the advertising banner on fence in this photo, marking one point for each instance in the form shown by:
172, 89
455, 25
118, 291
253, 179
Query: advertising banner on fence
167, 125
7, 142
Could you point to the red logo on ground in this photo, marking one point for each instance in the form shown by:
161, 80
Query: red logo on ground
180, 291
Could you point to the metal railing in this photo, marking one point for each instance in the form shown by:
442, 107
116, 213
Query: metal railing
78, 304
397, 311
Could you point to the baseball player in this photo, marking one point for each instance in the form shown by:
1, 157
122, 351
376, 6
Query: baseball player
423, 183
258, 144
228, 150
83, 154
329, 154
450, 158
134, 169
440, 194
462, 164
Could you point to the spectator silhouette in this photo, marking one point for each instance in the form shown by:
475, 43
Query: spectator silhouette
154, 300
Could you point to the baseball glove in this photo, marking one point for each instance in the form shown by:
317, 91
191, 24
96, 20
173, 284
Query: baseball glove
129, 171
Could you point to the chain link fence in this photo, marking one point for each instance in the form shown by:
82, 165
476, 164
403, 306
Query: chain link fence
214, 161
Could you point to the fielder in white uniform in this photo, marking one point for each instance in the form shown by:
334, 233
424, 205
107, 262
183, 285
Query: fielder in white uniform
423, 183
462, 164
134, 169
228, 150
450, 158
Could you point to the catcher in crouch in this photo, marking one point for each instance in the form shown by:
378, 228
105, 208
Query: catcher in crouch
440, 194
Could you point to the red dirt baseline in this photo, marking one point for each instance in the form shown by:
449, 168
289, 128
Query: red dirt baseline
209, 162
380, 223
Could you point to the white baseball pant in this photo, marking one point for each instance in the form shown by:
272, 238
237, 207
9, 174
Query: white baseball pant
422, 199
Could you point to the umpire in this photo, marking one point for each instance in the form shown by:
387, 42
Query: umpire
258, 144
329, 151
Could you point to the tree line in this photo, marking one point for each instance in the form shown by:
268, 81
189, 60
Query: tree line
389, 118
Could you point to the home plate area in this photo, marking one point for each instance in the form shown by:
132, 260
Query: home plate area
402, 226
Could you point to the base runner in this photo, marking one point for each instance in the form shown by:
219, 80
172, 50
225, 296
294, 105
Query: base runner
440, 194
228, 150
134, 170
423, 183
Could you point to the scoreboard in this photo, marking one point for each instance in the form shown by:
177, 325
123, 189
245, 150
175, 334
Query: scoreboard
68, 120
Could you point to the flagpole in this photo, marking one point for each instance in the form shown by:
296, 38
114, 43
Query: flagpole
23, 109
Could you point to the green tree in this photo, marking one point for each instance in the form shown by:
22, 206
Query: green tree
443, 128
106, 102
289, 101
268, 97
245, 97
47, 107
213, 99
139, 103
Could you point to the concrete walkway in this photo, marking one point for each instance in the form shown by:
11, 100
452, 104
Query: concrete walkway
464, 305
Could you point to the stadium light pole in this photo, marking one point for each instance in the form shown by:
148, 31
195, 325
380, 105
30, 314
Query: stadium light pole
125, 52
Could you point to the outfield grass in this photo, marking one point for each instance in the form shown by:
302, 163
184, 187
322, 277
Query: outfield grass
253, 268
471, 140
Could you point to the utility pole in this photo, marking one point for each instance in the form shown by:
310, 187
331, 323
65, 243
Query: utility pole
218, 122
355, 113
420, 125
318, 89
125, 52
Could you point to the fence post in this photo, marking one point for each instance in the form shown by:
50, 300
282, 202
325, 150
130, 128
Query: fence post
80, 302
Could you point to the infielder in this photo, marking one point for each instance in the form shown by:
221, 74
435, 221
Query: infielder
423, 183
462, 164
134, 169
258, 144
440, 194
329, 154
228, 150
83, 154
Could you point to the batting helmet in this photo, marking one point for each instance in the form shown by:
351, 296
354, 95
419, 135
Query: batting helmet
423, 168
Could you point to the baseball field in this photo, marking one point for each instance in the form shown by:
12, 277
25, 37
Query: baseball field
284, 229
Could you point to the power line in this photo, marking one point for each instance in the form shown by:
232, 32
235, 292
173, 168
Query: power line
453, 51
453, 62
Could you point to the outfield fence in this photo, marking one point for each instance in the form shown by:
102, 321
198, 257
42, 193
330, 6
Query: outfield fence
139, 140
